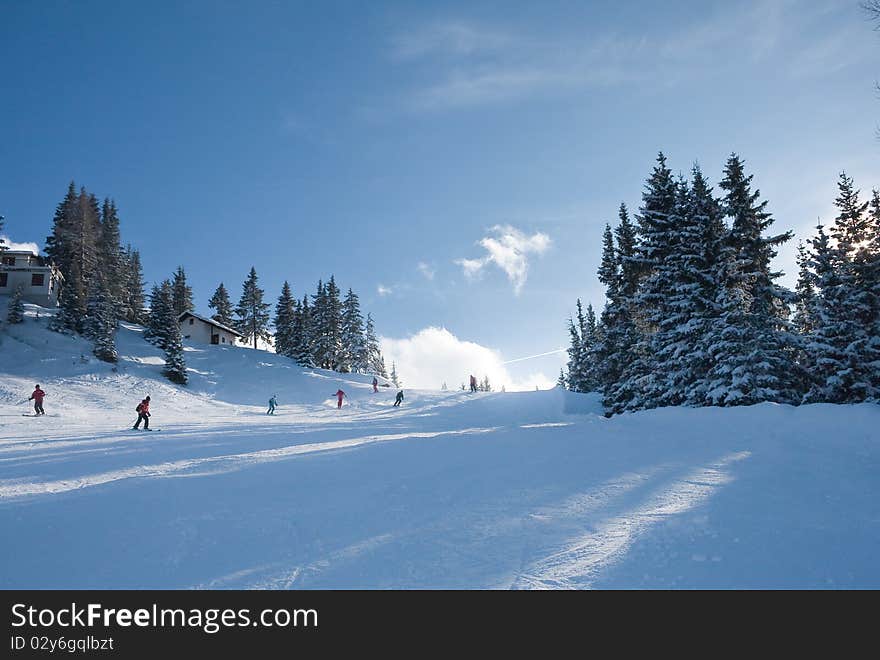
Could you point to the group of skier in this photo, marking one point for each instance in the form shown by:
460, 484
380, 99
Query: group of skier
143, 408
340, 395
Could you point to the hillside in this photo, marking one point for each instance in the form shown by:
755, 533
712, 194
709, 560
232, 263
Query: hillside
453, 490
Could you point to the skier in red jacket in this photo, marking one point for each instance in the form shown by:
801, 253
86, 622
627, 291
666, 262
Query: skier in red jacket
375, 384
339, 395
37, 398
143, 411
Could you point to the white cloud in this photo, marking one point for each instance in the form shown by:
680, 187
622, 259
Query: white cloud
475, 64
11, 245
447, 38
434, 355
383, 290
426, 270
508, 249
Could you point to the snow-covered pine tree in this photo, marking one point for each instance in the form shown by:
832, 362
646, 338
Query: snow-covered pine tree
640, 381
318, 326
617, 329
73, 247
752, 351
285, 310
3, 245
804, 318
485, 385
111, 259
302, 324
354, 345
161, 308
222, 306
15, 309
562, 382
872, 271
683, 317
574, 354
375, 361
845, 352
175, 363
133, 294
182, 292
101, 320
394, 377
332, 326
581, 353
252, 312
70, 318
704, 215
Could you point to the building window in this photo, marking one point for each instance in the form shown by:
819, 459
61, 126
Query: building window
37, 279
3, 277
191, 321
8, 261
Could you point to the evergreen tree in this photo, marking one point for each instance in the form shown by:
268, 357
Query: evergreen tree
111, 260
222, 307
302, 323
101, 320
252, 312
182, 292
846, 354
15, 310
375, 361
354, 348
581, 353
752, 352
285, 311
394, 377
133, 294
161, 309
683, 319
618, 331
805, 305
73, 248
175, 363
74, 304
3, 245
561, 382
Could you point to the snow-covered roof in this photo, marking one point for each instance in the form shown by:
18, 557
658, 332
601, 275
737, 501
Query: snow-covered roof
210, 321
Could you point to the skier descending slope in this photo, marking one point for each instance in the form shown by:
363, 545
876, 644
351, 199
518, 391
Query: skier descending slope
339, 396
37, 398
375, 384
399, 399
143, 411
272, 403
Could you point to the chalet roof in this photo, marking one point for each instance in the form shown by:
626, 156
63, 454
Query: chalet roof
210, 321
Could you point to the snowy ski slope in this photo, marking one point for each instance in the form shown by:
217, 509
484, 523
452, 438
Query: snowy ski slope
452, 490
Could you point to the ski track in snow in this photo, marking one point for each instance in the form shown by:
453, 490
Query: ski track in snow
10, 489
576, 565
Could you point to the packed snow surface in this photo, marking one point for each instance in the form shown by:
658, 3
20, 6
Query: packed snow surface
529, 490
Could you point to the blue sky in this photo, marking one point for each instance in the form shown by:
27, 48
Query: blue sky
454, 163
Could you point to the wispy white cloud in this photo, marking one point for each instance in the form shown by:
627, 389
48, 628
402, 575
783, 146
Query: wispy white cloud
427, 271
383, 290
448, 38
509, 249
434, 355
471, 64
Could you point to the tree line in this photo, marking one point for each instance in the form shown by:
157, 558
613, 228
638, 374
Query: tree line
324, 329
694, 314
